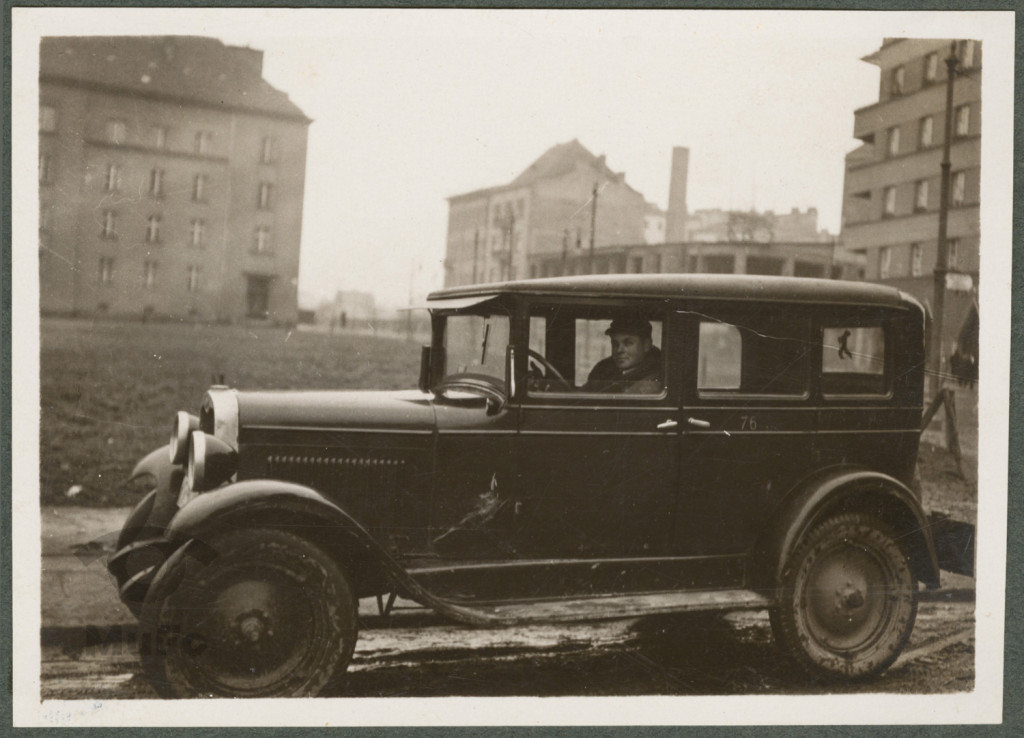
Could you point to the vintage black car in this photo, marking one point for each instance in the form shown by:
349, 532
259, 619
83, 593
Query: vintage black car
764, 460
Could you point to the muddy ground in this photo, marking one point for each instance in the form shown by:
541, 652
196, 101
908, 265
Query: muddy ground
697, 654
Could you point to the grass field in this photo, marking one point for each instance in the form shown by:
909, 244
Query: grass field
109, 389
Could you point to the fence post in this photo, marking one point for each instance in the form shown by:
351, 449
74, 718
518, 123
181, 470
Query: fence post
933, 407
952, 432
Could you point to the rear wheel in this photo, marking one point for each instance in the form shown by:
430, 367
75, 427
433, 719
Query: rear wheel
250, 613
847, 601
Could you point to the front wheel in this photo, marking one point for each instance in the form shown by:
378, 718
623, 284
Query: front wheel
847, 600
248, 613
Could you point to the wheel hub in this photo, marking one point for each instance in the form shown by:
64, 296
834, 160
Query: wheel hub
841, 611
850, 598
253, 626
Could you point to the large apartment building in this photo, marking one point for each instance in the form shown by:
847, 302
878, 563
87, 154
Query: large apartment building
893, 181
171, 179
539, 225
548, 209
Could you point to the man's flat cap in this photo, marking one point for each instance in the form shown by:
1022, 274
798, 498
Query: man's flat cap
633, 326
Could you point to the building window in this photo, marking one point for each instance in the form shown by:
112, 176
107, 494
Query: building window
149, 274
884, 262
196, 233
921, 195
953, 253
965, 52
117, 132
203, 139
160, 137
156, 182
898, 78
192, 271
963, 120
153, 229
109, 224
924, 132
889, 201
261, 242
959, 188
267, 150
266, 189
45, 168
113, 181
106, 269
47, 118
199, 188
931, 67
915, 260
893, 147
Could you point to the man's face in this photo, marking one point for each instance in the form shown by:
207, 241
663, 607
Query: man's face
628, 350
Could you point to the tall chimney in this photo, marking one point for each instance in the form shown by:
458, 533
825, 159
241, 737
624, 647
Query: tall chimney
675, 219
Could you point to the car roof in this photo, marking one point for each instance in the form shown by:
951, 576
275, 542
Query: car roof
694, 286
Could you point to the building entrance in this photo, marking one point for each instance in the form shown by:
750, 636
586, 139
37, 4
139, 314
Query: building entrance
257, 296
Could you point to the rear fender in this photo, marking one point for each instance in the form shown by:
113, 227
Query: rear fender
845, 490
307, 513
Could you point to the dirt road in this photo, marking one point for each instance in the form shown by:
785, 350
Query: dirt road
693, 655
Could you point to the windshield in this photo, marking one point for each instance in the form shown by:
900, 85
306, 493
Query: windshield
476, 344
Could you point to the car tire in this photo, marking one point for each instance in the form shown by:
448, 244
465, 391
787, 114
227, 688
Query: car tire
248, 613
847, 599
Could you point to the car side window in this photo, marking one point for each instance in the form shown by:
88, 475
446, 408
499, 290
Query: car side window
853, 360
584, 352
759, 355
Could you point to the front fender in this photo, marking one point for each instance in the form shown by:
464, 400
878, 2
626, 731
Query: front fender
264, 499
156, 462
242, 499
846, 489
151, 517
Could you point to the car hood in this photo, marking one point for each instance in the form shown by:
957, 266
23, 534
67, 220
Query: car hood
357, 410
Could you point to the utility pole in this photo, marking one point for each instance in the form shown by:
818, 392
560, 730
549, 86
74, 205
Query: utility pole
565, 248
413, 268
476, 252
510, 223
942, 257
593, 224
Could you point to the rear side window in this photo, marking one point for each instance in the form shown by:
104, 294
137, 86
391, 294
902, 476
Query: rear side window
853, 360
759, 355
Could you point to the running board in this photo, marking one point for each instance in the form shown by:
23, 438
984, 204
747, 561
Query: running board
604, 608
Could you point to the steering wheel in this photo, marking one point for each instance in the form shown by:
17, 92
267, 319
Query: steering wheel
550, 372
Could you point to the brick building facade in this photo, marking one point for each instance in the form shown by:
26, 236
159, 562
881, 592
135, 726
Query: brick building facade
892, 185
171, 179
493, 233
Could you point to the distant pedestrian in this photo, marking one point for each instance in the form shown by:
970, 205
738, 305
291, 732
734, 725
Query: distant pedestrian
844, 350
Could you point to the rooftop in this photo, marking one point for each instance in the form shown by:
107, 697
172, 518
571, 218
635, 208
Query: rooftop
198, 69
556, 161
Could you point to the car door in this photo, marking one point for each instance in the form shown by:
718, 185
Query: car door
470, 513
748, 425
597, 469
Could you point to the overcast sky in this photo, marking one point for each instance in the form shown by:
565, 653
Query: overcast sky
411, 107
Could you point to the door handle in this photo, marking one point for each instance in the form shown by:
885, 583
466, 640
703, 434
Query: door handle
668, 425
698, 423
